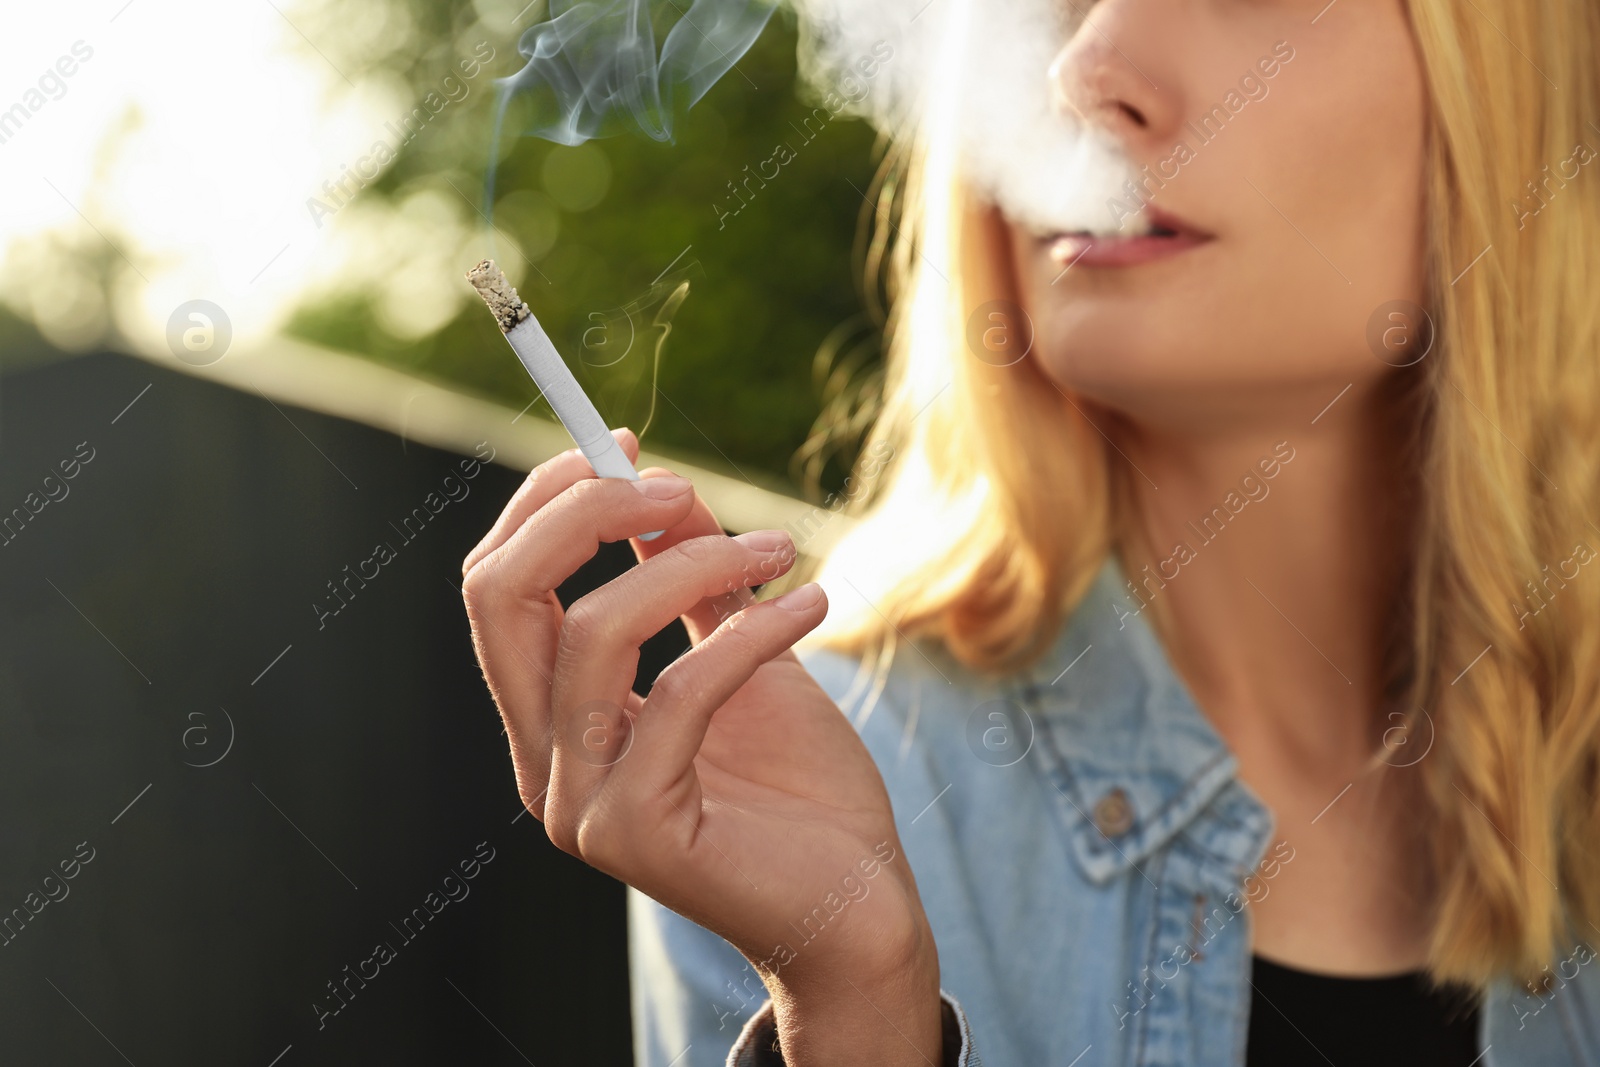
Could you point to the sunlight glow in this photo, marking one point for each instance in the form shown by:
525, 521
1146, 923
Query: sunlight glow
160, 151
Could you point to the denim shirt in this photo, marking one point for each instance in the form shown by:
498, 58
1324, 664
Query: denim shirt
1085, 852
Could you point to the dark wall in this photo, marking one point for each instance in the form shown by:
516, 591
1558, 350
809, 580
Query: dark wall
145, 612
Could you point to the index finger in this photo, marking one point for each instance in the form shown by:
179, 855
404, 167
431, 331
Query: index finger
542, 485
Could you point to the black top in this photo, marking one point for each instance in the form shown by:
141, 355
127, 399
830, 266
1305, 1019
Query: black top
1300, 1017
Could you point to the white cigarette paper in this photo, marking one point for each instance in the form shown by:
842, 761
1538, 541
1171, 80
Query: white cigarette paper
551, 374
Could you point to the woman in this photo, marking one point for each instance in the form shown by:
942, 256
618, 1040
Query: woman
1217, 631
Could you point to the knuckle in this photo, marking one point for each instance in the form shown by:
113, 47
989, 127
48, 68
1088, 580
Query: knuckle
676, 684
594, 838
581, 830
741, 629
477, 592
585, 623
587, 492
739, 637
702, 550
534, 805
562, 829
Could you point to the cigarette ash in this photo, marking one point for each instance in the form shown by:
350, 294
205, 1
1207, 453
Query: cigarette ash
502, 299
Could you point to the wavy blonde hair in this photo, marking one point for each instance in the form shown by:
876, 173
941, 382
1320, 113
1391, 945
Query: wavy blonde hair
984, 501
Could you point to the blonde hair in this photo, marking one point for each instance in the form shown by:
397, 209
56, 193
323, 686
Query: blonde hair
985, 502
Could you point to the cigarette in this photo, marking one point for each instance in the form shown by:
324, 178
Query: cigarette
551, 374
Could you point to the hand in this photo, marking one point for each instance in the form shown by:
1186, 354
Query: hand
736, 794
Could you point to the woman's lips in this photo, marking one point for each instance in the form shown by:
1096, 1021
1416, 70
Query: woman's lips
1171, 236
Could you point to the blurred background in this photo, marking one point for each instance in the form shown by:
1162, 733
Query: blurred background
258, 804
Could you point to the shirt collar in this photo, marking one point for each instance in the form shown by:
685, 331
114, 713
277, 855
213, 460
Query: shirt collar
1132, 758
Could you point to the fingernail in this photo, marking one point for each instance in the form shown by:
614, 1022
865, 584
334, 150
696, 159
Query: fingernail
799, 599
763, 540
663, 488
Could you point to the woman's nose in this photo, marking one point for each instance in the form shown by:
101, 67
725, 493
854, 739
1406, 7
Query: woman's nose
1108, 73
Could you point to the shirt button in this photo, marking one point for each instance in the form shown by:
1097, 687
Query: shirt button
1113, 814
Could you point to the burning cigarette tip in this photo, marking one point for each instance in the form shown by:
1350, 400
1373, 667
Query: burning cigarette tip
503, 300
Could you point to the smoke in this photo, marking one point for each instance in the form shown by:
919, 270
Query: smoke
1043, 168
593, 70
592, 67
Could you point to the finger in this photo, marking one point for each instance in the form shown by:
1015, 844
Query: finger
598, 652
601, 738
709, 613
514, 641
521, 687
516, 615
672, 725
553, 542
539, 488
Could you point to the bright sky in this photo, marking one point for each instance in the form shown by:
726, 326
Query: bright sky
181, 139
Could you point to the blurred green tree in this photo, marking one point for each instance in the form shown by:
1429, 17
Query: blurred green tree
772, 279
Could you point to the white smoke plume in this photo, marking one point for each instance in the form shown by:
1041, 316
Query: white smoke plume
593, 69
1041, 166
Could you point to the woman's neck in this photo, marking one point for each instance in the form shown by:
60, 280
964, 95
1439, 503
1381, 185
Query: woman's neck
1278, 551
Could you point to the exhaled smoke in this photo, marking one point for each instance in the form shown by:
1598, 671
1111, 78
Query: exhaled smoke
1043, 168
594, 70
